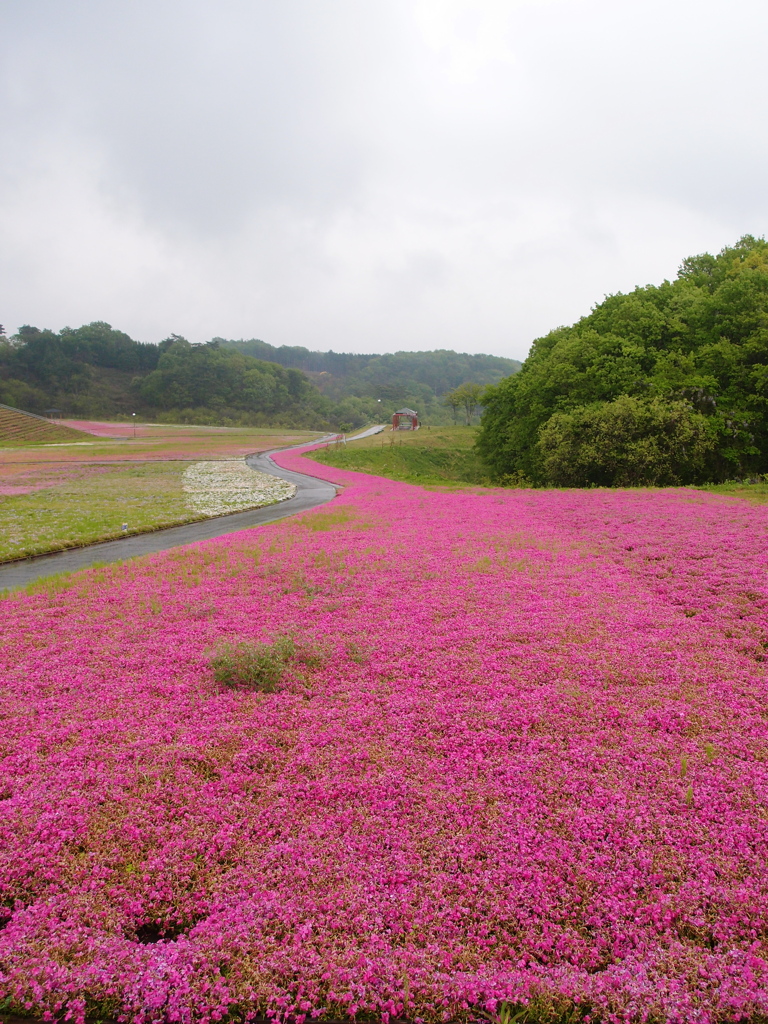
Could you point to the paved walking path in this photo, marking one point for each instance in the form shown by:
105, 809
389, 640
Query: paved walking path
310, 492
368, 432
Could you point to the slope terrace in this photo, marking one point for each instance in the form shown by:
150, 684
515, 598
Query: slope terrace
19, 428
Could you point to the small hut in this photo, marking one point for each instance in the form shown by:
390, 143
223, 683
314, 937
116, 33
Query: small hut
405, 419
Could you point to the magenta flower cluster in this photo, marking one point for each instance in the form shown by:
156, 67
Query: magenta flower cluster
525, 766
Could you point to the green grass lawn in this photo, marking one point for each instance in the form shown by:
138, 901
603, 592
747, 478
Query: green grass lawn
757, 492
91, 504
444, 457
431, 456
65, 495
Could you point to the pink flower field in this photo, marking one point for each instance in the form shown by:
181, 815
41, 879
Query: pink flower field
520, 767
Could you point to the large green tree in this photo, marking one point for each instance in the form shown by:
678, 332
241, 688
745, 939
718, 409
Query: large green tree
468, 397
699, 342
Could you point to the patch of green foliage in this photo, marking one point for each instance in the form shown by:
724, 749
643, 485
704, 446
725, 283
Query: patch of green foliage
540, 1010
60, 582
751, 490
668, 384
319, 522
249, 665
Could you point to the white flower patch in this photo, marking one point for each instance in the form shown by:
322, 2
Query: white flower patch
215, 488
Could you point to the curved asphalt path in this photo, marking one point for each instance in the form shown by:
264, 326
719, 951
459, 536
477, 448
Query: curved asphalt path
310, 492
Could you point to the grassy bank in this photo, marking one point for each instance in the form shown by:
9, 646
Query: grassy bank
69, 495
18, 430
445, 457
757, 492
436, 456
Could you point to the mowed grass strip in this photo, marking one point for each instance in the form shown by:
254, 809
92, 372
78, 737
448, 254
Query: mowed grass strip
90, 505
431, 456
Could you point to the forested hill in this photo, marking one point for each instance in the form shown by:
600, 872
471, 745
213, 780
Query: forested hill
667, 384
98, 371
394, 376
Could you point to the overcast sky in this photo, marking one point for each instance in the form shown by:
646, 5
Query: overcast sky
369, 175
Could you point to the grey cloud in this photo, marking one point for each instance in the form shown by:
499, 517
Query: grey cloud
326, 174
201, 112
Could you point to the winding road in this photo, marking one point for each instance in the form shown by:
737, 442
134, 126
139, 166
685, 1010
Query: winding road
310, 492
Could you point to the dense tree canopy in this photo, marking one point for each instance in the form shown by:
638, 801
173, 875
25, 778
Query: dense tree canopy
199, 376
42, 368
414, 379
96, 370
63, 355
692, 355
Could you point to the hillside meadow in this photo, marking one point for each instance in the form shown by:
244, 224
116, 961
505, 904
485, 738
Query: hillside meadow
430, 456
510, 765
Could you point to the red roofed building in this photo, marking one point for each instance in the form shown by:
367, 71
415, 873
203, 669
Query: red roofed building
405, 419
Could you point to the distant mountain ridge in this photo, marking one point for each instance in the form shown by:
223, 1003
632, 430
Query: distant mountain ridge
440, 369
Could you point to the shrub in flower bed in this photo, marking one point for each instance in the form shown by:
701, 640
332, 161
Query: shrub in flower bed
526, 777
250, 666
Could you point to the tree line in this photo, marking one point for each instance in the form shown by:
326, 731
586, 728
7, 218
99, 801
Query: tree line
418, 380
664, 385
98, 371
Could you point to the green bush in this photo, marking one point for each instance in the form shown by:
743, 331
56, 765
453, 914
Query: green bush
630, 442
252, 666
